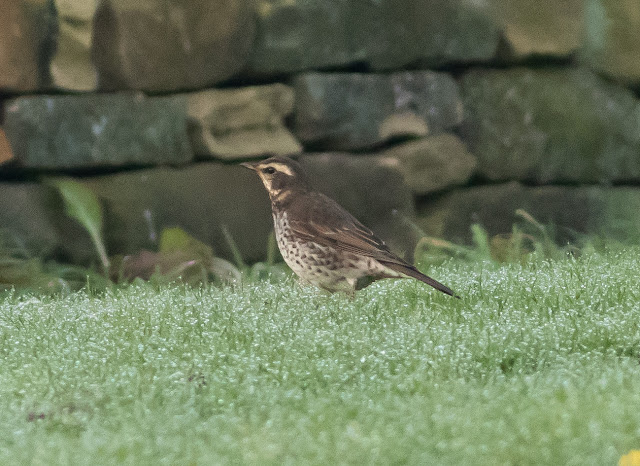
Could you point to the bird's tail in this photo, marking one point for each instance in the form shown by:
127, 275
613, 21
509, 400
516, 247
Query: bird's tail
410, 271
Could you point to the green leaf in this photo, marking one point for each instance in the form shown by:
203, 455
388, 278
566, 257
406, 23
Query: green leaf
181, 254
176, 239
82, 205
235, 250
481, 242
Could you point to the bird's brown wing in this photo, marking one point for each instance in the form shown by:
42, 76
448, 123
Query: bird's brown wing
325, 222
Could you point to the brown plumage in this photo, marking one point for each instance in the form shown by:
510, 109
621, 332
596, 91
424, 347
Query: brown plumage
323, 243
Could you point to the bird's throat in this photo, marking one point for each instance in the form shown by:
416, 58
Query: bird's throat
280, 196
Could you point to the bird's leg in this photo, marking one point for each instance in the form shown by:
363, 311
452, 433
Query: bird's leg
353, 286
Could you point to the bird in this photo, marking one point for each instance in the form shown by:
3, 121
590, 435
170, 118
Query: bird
321, 241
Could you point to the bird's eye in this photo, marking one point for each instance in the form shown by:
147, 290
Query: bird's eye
269, 170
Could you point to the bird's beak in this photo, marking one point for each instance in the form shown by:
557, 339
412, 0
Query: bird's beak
250, 165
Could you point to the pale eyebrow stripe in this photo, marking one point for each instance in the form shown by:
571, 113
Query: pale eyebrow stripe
281, 168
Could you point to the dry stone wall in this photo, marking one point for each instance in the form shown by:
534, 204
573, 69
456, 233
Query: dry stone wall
431, 113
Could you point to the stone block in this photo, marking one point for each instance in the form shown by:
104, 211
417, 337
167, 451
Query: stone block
171, 45
430, 33
26, 35
205, 198
97, 130
240, 123
347, 111
301, 35
433, 163
544, 126
202, 199
612, 39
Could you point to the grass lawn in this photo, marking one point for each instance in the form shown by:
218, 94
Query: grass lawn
538, 363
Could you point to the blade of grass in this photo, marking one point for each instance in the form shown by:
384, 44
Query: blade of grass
235, 251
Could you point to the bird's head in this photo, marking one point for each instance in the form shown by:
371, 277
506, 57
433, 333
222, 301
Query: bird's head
281, 176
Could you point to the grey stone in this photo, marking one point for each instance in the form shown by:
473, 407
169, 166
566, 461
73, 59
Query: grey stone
428, 33
433, 163
171, 45
239, 123
345, 111
26, 35
302, 35
559, 125
612, 38
99, 130
608, 211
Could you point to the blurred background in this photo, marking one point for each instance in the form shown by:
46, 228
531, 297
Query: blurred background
422, 117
